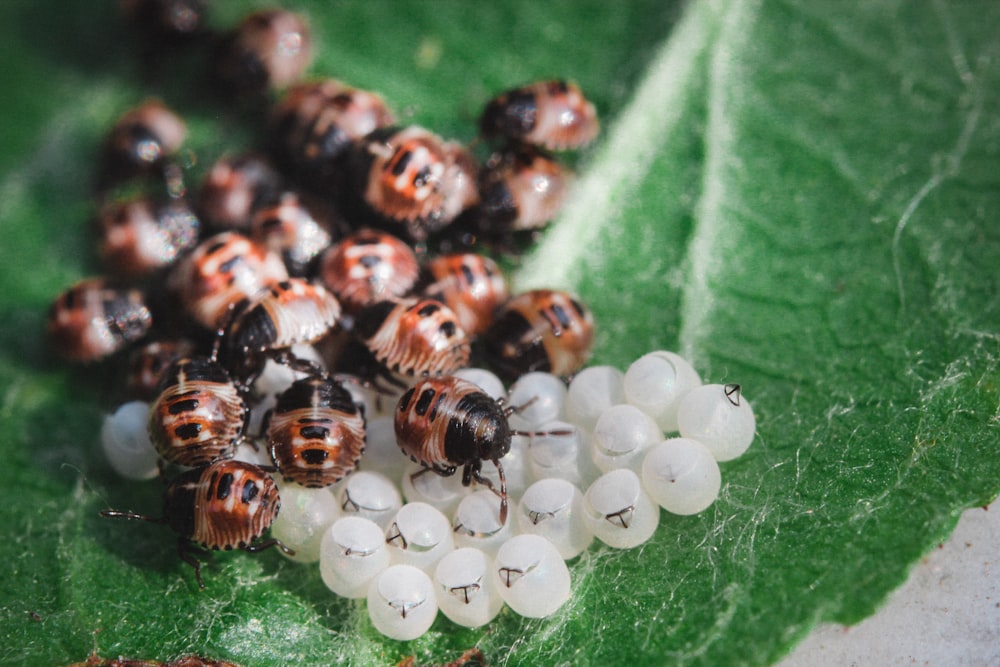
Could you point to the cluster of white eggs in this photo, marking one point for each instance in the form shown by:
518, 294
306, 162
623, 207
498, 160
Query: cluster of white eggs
598, 463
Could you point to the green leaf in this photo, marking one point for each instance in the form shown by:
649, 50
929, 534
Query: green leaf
799, 196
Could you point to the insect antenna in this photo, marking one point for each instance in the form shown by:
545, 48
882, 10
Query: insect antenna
121, 514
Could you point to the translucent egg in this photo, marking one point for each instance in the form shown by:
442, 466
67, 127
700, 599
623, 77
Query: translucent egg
420, 535
538, 398
560, 449
382, 452
126, 444
352, 552
477, 523
681, 475
719, 417
401, 602
656, 382
253, 451
305, 516
553, 508
486, 380
466, 590
620, 513
621, 437
370, 495
277, 377
531, 576
592, 391
423, 485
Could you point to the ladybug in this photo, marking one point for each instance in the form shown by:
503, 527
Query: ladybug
140, 235
550, 114
234, 188
520, 189
139, 143
93, 319
148, 363
288, 227
222, 506
540, 330
316, 122
222, 271
269, 50
472, 285
199, 416
445, 422
316, 433
369, 266
287, 313
412, 177
414, 337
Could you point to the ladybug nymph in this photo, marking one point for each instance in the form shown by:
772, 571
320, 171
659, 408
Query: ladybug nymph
316, 122
550, 114
223, 506
415, 178
414, 337
92, 320
369, 266
199, 416
221, 272
540, 330
317, 432
446, 423
472, 285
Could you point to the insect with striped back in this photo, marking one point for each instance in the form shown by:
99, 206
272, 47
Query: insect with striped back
226, 505
444, 423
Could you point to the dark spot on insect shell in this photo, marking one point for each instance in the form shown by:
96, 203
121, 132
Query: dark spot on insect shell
315, 433
428, 310
225, 486
314, 457
250, 491
188, 431
183, 406
424, 402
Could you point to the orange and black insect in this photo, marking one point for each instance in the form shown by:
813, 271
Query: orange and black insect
412, 177
93, 319
540, 330
445, 423
316, 122
414, 337
369, 266
288, 313
471, 285
140, 144
141, 235
268, 50
317, 433
288, 227
549, 114
199, 416
222, 271
223, 506
234, 188
520, 189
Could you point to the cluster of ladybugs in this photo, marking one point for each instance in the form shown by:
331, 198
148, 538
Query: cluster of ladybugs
295, 305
